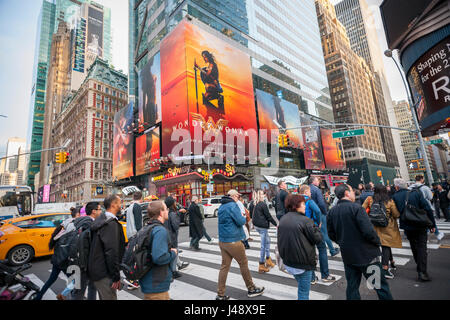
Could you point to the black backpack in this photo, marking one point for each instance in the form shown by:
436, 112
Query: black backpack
136, 260
377, 215
63, 248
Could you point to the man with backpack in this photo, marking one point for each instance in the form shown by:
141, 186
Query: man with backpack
83, 225
417, 235
134, 215
106, 250
155, 284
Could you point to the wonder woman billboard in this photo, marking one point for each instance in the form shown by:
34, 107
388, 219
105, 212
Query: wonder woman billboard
205, 83
147, 150
275, 113
150, 92
123, 143
312, 149
333, 151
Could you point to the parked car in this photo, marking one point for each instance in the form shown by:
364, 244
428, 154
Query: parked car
211, 206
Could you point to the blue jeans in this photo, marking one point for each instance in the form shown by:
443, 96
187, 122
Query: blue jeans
304, 284
353, 274
51, 280
323, 261
324, 231
265, 244
205, 234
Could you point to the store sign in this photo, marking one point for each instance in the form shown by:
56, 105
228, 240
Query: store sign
288, 179
229, 171
429, 80
129, 190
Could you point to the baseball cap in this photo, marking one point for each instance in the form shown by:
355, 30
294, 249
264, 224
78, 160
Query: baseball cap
233, 192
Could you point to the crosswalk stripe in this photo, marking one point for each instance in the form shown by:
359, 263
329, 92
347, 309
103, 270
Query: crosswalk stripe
272, 290
255, 252
49, 294
253, 265
273, 240
184, 291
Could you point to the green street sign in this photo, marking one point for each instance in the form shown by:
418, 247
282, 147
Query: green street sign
349, 133
434, 141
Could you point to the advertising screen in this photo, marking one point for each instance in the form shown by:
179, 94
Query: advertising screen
218, 79
276, 113
312, 146
150, 92
123, 144
147, 150
95, 31
429, 82
78, 64
333, 151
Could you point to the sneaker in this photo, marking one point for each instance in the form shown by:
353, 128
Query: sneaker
388, 274
250, 239
313, 281
424, 277
183, 265
440, 236
176, 274
256, 291
197, 249
60, 297
222, 298
330, 278
212, 240
393, 266
336, 252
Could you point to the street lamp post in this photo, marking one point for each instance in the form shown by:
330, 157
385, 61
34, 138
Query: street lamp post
388, 53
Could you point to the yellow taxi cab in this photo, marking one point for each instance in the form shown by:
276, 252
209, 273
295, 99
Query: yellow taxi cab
26, 237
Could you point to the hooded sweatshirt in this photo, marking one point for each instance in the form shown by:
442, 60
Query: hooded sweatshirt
107, 249
230, 221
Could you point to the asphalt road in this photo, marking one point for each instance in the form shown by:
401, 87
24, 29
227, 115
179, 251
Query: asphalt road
403, 286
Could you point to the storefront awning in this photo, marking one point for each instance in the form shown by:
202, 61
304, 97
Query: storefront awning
288, 179
184, 178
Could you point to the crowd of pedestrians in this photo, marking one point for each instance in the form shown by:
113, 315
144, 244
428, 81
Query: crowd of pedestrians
365, 228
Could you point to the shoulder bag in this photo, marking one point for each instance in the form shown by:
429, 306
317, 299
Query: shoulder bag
414, 216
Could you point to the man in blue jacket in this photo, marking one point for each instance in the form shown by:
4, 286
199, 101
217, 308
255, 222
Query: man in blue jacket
231, 233
317, 196
417, 236
155, 284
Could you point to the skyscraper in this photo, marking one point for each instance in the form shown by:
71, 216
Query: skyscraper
359, 23
52, 12
280, 37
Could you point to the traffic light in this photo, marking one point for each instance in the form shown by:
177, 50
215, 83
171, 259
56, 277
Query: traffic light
65, 157
58, 157
280, 141
287, 141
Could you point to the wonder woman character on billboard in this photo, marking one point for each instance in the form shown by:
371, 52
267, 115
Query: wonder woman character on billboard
210, 78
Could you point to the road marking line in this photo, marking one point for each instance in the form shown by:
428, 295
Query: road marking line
49, 294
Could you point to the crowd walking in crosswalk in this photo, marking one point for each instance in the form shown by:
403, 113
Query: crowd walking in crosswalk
242, 263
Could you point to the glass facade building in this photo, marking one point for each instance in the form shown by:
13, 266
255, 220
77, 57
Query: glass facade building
281, 37
52, 12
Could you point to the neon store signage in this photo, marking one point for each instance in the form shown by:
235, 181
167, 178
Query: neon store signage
229, 171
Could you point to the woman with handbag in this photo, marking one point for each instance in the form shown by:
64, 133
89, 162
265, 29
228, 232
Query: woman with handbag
389, 235
261, 220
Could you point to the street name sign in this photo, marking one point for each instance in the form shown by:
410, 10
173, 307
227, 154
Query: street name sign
349, 133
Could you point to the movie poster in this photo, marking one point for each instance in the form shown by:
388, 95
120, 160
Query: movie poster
95, 32
275, 113
150, 92
147, 150
333, 151
218, 80
312, 146
123, 143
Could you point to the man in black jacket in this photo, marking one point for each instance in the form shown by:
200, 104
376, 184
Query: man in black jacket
417, 236
444, 202
280, 197
350, 227
195, 224
107, 249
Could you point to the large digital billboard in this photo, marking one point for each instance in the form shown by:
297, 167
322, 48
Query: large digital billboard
78, 62
333, 151
206, 83
123, 143
150, 92
429, 81
95, 31
147, 150
312, 146
275, 113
